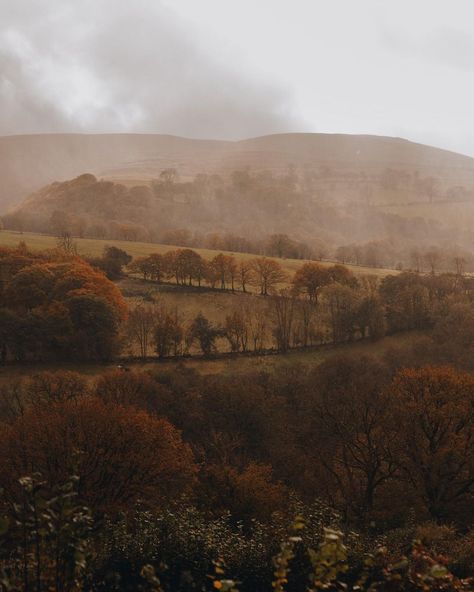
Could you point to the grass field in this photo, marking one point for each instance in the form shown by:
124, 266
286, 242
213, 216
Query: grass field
95, 247
230, 366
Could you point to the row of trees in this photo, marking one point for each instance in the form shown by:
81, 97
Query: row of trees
322, 305
407, 255
187, 267
226, 272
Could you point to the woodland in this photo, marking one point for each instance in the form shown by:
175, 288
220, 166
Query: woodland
353, 472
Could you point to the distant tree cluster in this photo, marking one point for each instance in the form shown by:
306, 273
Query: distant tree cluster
408, 255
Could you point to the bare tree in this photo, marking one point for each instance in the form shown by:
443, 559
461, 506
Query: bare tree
140, 327
283, 308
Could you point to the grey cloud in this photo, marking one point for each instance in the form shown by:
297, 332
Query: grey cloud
445, 45
108, 65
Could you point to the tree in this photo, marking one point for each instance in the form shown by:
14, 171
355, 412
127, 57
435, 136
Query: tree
51, 387
257, 323
434, 408
152, 267
236, 330
59, 307
223, 269
267, 274
249, 494
121, 454
95, 327
353, 419
310, 278
140, 326
283, 308
116, 258
342, 303
168, 332
433, 259
245, 274
202, 331
407, 302
66, 243
305, 332
371, 318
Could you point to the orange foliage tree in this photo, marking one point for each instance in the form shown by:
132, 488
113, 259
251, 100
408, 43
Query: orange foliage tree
54, 305
120, 454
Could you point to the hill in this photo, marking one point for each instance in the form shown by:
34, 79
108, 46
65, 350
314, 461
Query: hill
29, 162
378, 199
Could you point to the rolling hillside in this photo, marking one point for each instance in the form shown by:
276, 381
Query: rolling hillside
27, 163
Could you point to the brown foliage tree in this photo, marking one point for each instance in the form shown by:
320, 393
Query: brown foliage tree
121, 454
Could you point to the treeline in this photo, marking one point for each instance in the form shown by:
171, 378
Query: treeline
407, 255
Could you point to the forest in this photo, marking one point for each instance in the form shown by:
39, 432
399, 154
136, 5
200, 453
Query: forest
354, 472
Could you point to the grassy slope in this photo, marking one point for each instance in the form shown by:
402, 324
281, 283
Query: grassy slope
95, 247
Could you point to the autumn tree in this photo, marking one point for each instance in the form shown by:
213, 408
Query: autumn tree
151, 267
305, 331
310, 278
49, 387
224, 269
434, 408
60, 307
268, 274
249, 494
121, 454
244, 274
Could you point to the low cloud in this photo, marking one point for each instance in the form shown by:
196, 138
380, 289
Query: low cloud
112, 66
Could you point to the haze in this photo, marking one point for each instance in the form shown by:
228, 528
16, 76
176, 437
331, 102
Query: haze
228, 69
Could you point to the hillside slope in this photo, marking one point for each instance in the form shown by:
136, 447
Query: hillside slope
29, 162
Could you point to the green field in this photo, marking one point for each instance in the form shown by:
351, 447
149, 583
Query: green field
94, 247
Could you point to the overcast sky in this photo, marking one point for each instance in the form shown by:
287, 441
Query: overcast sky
240, 68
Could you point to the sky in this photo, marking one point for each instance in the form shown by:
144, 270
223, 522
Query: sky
240, 68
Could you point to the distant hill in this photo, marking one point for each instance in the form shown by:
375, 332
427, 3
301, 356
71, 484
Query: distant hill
27, 163
378, 199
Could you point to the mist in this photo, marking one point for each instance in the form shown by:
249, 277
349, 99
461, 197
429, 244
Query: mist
104, 66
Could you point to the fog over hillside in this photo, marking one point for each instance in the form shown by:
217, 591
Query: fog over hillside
29, 162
